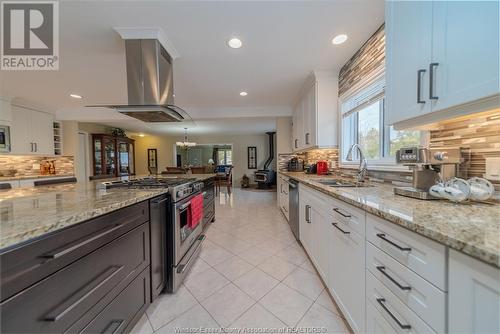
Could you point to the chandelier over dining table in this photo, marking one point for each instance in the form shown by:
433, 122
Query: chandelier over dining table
186, 143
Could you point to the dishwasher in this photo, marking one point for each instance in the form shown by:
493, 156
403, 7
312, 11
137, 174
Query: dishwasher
293, 201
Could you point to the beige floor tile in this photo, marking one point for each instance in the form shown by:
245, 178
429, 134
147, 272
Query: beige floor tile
206, 283
287, 304
277, 267
256, 283
257, 317
319, 317
293, 254
255, 256
214, 254
169, 306
196, 317
227, 304
305, 282
233, 268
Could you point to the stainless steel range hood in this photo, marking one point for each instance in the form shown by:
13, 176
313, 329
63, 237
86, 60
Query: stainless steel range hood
149, 83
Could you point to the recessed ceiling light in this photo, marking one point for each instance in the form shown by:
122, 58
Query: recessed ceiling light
339, 39
235, 43
243, 93
141, 134
76, 96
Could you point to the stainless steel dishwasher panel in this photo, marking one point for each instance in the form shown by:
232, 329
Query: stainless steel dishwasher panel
293, 201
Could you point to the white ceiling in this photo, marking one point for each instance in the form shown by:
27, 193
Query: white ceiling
283, 42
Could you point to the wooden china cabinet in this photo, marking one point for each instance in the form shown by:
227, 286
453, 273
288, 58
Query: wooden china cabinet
113, 156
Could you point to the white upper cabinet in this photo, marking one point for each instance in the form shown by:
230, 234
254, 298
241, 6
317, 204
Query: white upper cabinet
31, 132
408, 55
315, 116
466, 47
440, 55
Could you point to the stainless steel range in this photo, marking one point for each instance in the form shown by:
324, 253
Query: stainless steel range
183, 243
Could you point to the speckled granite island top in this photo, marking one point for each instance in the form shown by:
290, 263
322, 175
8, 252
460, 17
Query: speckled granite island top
28, 213
472, 228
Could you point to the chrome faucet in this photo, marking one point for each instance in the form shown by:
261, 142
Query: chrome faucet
362, 162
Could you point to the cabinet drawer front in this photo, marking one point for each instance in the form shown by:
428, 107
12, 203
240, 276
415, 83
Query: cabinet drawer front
353, 217
392, 309
419, 295
375, 322
56, 302
423, 256
25, 265
124, 311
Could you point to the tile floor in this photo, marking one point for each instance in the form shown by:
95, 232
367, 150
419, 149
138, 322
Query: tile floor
251, 273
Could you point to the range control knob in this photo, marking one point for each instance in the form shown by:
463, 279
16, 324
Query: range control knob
439, 156
180, 193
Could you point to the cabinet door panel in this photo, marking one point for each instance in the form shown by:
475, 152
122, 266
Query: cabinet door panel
408, 49
466, 46
474, 295
42, 132
21, 131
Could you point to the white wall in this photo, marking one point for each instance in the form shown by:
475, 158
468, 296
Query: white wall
165, 144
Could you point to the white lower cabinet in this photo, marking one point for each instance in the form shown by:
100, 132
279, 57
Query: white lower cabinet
387, 279
346, 277
474, 295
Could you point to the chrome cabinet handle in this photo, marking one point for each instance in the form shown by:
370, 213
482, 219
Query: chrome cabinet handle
32, 149
432, 66
308, 215
341, 230
402, 287
82, 294
419, 86
307, 138
381, 301
404, 249
345, 215
296, 145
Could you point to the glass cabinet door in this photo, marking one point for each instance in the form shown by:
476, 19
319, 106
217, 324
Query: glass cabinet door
109, 157
97, 157
123, 158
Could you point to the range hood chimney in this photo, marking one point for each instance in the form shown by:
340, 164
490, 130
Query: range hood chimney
150, 85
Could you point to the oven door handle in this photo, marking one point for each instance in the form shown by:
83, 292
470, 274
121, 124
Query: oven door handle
184, 206
182, 267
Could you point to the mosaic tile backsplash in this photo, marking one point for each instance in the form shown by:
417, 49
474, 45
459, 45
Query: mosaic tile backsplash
478, 135
29, 165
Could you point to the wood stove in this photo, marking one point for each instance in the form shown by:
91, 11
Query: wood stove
266, 177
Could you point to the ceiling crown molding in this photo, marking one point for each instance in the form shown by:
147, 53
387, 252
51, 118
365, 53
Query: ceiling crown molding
149, 33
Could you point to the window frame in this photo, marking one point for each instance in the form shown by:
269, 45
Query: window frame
225, 150
385, 162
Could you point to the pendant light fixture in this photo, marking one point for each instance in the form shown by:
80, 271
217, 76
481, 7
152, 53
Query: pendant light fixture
186, 143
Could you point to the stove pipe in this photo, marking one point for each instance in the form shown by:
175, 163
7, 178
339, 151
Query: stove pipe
271, 150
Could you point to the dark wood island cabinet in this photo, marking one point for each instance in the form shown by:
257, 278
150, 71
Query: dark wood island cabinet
92, 277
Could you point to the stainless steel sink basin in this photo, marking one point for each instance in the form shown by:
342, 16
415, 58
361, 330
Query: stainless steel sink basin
337, 183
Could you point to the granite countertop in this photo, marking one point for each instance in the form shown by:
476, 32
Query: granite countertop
32, 177
472, 228
28, 213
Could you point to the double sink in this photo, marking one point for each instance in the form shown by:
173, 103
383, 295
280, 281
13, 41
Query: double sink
338, 183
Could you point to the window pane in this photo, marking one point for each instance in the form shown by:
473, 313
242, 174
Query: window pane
369, 130
229, 157
348, 133
400, 139
220, 157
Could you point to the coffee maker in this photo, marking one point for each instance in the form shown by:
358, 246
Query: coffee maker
429, 166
